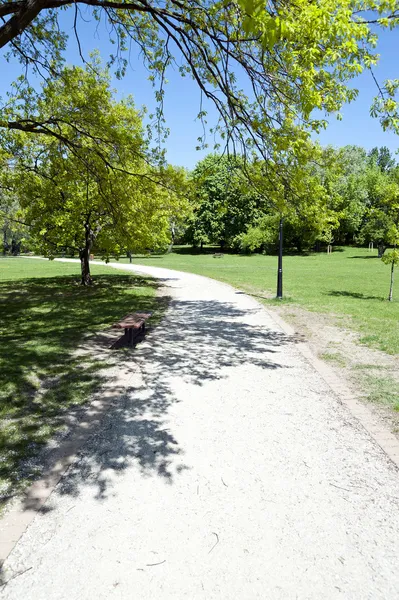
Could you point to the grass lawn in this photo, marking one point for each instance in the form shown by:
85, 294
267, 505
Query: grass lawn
351, 283
44, 315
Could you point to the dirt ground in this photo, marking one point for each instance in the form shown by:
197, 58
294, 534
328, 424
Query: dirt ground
371, 374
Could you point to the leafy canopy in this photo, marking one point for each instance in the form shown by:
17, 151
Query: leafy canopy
89, 185
265, 66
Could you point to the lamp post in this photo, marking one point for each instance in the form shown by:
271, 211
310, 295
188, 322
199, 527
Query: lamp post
280, 262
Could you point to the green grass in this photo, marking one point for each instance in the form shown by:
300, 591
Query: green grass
382, 390
44, 315
350, 284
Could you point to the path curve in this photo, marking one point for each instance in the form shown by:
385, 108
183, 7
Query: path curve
228, 471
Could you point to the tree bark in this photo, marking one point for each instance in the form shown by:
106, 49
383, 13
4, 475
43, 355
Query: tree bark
391, 286
84, 256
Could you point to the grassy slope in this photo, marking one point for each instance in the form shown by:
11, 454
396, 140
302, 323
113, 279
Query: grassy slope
352, 284
44, 315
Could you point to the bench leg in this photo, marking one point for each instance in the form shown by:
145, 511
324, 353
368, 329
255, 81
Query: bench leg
129, 336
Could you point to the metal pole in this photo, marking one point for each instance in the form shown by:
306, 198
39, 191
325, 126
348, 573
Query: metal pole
280, 263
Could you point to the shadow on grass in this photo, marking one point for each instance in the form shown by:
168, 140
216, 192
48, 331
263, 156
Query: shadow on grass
260, 296
43, 321
355, 295
190, 250
364, 257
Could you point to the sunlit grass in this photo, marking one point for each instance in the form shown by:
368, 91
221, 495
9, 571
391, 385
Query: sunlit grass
351, 284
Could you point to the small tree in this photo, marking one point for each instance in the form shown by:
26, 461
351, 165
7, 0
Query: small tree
391, 258
95, 191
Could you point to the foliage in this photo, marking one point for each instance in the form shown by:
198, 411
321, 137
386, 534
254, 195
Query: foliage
383, 158
13, 233
351, 192
294, 57
381, 221
326, 44
240, 203
364, 195
391, 258
337, 196
90, 188
262, 236
224, 204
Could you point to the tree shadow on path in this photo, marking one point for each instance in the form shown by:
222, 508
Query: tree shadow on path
43, 321
197, 341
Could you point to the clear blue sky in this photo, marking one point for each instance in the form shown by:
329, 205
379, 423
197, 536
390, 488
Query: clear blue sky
182, 97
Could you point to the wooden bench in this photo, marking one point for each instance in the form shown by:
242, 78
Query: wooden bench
134, 325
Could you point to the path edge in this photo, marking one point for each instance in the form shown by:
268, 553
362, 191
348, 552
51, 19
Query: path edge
378, 431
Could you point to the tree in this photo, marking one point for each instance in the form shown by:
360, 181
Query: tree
12, 230
295, 57
391, 258
224, 205
383, 158
381, 218
92, 190
350, 191
300, 194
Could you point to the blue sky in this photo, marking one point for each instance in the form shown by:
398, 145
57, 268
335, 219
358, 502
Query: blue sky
182, 98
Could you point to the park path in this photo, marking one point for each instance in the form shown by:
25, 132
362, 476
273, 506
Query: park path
228, 470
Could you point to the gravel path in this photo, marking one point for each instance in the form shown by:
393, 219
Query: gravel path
228, 471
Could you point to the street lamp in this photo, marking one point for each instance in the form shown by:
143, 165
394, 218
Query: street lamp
280, 262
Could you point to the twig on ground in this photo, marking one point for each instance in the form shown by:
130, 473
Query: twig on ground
339, 487
15, 576
216, 543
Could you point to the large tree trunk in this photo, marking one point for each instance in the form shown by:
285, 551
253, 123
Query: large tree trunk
391, 286
84, 256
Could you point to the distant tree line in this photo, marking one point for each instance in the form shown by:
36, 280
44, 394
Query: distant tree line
341, 196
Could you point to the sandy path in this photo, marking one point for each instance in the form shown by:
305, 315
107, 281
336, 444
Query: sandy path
228, 471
